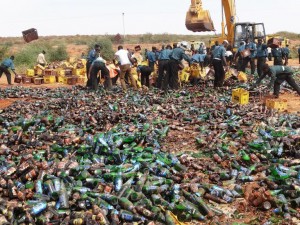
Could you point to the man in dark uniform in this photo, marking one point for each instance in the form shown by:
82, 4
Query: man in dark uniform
218, 60
99, 65
92, 56
171, 78
278, 75
261, 54
151, 56
278, 56
163, 60
5, 65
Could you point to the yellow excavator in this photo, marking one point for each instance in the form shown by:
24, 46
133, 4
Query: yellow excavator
199, 20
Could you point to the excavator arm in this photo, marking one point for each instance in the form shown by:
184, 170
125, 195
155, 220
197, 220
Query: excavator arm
198, 19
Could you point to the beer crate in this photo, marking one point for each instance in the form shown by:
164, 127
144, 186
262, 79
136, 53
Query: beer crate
30, 72
72, 80
278, 104
30, 35
273, 42
81, 80
240, 96
49, 72
77, 72
38, 80
49, 79
26, 80
245, 53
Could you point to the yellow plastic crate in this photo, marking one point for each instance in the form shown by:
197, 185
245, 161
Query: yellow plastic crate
77, 72
60, 72
49, 79
30, 72
279, 104
240, 96
39, 70
60, 79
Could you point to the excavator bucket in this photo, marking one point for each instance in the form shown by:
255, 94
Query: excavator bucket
198, 19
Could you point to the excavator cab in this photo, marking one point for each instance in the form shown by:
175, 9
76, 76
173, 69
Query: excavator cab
198, 19
251, 31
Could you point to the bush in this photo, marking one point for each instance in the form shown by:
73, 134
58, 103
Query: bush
26, 58
106, 47
58, 53
4, 51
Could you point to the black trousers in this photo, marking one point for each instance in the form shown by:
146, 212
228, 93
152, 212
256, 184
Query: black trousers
151, 65
245, 63
171, 78
280, 78
4, 69
260, 62
96, 67
270, 56
299, 58
219, 73
88, 65
162, 69
278, 61
145, 74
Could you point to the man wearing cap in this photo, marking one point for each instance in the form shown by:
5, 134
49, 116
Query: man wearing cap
278, 75
41, 59
163, 59
171, 78
137, 54
218, 55
5, 65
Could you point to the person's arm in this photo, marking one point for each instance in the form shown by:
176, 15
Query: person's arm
186, 58
273, 78
260, 79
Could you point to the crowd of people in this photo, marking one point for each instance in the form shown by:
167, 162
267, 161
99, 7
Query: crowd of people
134, 68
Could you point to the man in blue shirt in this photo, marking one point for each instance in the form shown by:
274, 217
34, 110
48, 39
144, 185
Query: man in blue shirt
238, 56
163, 59
177, 55
285, 54
278, 75
218, 59
261, 54
151, 58
251, 58
92, 56
278, 56
5, 65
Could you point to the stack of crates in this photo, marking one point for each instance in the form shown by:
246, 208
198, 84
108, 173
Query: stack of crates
240, 96
278, 104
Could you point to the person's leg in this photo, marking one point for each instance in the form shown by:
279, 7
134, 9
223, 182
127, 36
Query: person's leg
280, 78
167, 79
8, 76
245, 64
93, 76
122, 76
260, 62
201, 66
290, 80
222, 75
174, 75
105, 75
299, 59
252, 65
147, 75
88, 65
132, 80
143, 78
216, 69
161, 69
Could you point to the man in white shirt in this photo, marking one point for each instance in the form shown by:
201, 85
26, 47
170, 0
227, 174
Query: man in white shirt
124, 60
41, 59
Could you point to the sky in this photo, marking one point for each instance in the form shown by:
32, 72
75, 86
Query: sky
98, 17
